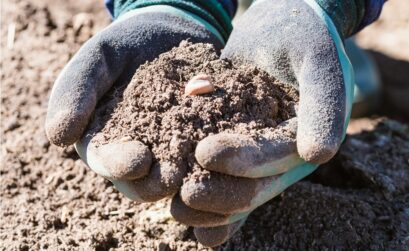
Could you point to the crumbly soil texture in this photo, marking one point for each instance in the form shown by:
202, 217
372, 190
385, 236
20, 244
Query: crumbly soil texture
153, 108
51, 201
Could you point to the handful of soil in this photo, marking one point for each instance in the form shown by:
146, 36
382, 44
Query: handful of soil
154, 110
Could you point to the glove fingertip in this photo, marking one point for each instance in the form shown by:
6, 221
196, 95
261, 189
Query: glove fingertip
226, 153
127, 188
215, 236
163, 180
63, 130
192, 217
126, 160
314, 151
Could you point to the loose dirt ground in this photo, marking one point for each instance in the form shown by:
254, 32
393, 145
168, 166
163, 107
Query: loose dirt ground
51, 200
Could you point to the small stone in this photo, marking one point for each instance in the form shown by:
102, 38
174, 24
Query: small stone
80, 20
162, 246
12, 124
64, 214
126, 139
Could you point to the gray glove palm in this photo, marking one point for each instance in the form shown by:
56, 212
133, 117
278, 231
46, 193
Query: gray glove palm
290, 41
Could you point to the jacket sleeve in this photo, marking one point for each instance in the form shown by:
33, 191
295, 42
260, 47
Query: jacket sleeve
351, 16
373, 10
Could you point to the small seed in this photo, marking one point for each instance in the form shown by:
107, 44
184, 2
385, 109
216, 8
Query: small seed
199, 84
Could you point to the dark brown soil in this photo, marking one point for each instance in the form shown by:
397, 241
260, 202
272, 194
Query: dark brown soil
357, 201
51, 201
154, 109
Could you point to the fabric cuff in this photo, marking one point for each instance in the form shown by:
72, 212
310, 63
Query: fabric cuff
218, 13
350, 16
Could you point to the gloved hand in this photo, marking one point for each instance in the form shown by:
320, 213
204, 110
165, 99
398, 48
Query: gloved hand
244, 174
298, 43
137, 36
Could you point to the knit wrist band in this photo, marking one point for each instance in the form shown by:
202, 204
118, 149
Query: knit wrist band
218, 13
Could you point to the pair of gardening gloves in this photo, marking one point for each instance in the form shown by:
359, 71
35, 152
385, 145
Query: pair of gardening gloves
297, 41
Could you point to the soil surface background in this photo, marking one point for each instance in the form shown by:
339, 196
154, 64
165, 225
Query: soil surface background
51, 201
